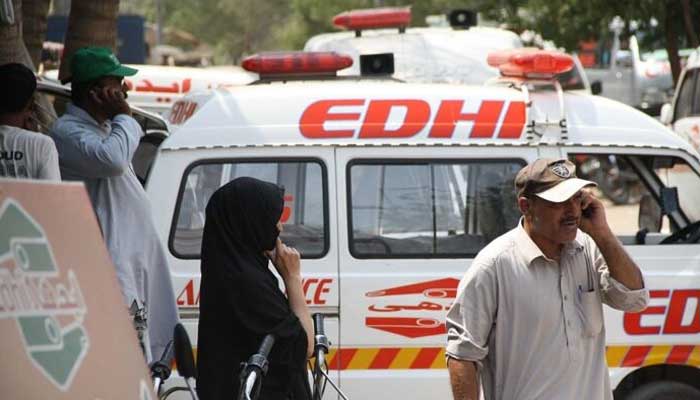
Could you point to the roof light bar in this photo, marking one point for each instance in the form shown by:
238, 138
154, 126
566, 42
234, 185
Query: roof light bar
374, 18
296, 63
530, 63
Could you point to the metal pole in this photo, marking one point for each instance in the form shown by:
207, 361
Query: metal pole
159, 22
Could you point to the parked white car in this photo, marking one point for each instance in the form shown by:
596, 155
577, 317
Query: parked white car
684, 113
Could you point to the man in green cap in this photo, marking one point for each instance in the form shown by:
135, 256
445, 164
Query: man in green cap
96, 139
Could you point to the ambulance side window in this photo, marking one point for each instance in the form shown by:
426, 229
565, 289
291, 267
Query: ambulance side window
305, 203
624, 183
425, 209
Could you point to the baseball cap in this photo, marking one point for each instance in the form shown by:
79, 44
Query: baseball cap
91, 63
550, 179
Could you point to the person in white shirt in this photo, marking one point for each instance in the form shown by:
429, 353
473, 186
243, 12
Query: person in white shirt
24, 153
528, 318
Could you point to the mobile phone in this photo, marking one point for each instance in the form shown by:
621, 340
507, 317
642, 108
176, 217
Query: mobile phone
587, 212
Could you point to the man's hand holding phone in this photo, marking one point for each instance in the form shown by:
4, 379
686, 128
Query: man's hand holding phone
593, 220
111, 100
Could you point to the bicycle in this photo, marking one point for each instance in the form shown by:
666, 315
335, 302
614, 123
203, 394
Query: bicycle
319, 368
253, 371
160, 370
185, 364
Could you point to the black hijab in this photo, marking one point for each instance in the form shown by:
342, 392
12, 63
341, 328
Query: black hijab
240, 299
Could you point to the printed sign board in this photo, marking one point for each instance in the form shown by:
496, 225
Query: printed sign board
64, 329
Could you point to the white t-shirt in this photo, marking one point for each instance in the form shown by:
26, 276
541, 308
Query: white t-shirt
27, 155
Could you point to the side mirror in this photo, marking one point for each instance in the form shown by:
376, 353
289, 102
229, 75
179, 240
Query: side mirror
666, 114
596, 87
649, 214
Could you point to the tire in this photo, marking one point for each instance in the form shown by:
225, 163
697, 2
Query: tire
664, 390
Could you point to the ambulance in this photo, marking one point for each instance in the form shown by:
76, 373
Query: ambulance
392, 188
156, 88
452, 49
683, 115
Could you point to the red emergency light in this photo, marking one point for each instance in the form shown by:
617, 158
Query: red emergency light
530, 62
374, 18
296, 63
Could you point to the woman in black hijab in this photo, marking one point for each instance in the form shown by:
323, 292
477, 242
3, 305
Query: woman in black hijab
240, 299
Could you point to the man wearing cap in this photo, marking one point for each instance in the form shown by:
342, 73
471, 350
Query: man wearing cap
96, 139
527, 322
24, 153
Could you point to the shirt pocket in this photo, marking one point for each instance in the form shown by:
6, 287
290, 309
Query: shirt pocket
591, 312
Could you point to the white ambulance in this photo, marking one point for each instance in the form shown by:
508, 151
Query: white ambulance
392, 188
452, 49
684, 114
156, 88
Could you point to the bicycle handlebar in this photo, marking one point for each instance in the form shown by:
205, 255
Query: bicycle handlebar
160, 370
318, 324
255, 367
266, 345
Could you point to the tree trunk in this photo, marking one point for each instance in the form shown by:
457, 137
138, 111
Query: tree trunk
670, 22
34, 16
11, 41
91, 23
688, 24
12, 49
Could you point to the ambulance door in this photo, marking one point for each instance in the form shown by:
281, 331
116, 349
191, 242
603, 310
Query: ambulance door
650, 195
412, 219
309, 218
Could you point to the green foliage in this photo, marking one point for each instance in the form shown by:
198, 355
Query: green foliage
235, 28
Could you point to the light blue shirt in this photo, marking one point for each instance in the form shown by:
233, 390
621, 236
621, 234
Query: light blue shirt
100, 156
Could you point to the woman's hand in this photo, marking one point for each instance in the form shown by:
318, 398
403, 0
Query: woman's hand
286, 260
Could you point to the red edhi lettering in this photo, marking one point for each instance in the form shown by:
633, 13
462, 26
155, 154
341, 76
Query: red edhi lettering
673, 322
417, 117
450, 112
676, 310
374, 126
315, 115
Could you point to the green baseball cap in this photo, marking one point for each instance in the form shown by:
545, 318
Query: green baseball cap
91, 63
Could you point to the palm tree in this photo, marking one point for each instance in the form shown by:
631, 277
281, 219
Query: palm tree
12, 48
34, 16
91, 23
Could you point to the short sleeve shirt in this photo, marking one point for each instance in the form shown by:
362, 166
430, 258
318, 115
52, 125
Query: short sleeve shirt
27, 155
534, 325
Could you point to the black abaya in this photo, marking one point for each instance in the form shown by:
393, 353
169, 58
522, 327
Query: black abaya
240, 300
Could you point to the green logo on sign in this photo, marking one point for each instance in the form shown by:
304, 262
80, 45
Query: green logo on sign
49, 309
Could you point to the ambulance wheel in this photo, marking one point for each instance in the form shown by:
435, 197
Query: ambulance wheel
664, 390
